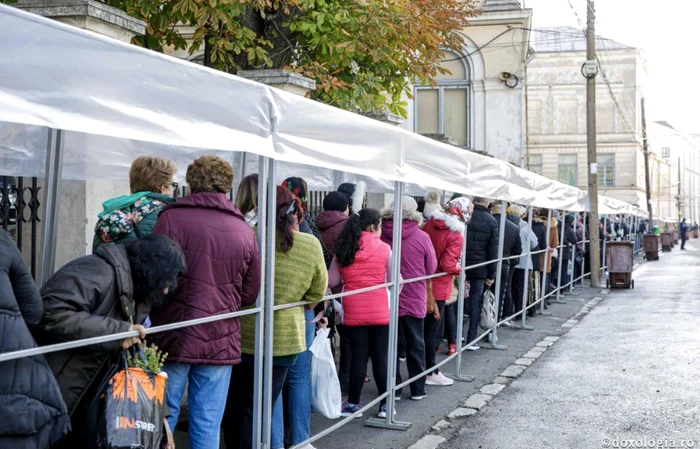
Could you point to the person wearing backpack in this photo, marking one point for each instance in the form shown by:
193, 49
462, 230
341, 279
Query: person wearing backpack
134, 216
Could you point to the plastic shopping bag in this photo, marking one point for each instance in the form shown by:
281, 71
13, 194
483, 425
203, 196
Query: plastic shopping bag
488, 311
325, 386
130, 407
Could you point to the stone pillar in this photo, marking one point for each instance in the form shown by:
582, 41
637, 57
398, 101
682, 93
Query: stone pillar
81, 201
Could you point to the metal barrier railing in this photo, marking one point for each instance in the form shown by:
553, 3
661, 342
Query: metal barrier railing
262, 411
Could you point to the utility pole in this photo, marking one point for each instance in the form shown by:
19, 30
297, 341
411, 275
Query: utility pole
591, 70
646, 165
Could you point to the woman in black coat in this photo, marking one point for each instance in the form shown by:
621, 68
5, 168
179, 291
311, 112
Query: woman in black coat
33, 414
109, 292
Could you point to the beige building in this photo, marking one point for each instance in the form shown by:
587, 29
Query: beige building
557, 114
480, 105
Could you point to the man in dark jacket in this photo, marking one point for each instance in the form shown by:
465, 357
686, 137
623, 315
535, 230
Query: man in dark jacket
332, 220
223, 275
99, 295
26, 384
684, 233
482, 246
569, 242
512, 246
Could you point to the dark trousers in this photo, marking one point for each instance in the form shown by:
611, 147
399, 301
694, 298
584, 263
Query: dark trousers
238, 417
367, 342
345, 359
450, 321
683, 240
431, 331
412, 330
476, 296
517, 283
505, 296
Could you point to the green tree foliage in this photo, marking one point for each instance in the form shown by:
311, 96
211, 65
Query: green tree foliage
363, 54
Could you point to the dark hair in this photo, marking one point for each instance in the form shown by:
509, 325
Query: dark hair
348, 243
156, 262
335, 201
288, 207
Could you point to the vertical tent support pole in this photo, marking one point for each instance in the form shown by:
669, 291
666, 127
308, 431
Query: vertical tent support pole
52, 184
493, 344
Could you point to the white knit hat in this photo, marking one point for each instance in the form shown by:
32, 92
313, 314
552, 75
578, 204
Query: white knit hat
432, 203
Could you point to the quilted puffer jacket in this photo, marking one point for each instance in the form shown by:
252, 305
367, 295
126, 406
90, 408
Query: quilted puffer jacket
33, 414
223, 274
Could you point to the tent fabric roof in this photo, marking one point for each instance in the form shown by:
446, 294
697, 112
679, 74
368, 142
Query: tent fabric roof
117, 101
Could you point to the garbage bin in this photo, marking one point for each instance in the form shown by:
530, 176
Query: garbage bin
650, 243
666, 241
620, 261
675, 238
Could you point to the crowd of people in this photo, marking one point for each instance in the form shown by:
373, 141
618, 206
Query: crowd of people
158, 261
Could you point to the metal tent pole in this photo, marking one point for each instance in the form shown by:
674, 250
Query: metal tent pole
460, 314
572, 260
388, 422
52, 185
562, 238
493, 344
261, 302
545, 279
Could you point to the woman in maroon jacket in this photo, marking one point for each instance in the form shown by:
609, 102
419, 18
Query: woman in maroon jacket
331, 221
223, 275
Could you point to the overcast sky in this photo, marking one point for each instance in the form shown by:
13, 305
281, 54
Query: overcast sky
664, 30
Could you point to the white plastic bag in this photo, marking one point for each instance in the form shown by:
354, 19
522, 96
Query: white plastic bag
325, 386
488, 311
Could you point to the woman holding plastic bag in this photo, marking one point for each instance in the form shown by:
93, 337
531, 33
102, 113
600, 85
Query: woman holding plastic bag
362, 260
98, 295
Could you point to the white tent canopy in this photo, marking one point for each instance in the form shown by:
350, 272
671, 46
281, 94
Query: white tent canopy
117, 101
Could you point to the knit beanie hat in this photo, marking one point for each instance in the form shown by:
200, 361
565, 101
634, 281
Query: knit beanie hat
296, 186
432, 203
335, 201
409, 210
460, 208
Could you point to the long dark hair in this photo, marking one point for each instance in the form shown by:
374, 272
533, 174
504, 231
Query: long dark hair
156, 262
348, 243
288, 207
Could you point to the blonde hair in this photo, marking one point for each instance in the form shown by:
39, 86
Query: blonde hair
247, 195
210, 174
151, 174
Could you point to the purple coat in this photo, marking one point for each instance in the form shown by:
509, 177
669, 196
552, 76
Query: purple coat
417, 259
223, 274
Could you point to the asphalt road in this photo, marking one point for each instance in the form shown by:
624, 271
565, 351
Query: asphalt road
627, 371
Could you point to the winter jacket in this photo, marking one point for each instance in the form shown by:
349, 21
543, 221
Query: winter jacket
553, 242
372, 266
447, 235
128, 217
33, 414
85, 299
307, 226
223, 274
540, 229
482, 244
300, 275
569, 239
417, 260
526, 234
330, 223
512, 245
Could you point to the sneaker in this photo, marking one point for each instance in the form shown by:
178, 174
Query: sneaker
473, 347
438, 350
309, 446
382, 411
350, 409
367, 379
402, 358
438, 379
509, 323
452, 349
419, 397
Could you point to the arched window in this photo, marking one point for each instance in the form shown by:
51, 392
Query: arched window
443, 109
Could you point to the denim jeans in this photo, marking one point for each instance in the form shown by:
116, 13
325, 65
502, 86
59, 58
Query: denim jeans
296, 397
207, 390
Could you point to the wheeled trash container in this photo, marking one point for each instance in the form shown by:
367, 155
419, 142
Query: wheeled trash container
620, 261
650, 243
666, 241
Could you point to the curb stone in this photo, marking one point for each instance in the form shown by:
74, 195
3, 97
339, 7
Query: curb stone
461, 412
524, 362
550, 339
442, 425
502, 380
532, 355
513, 371
545, 344
492, 389
538, 349
477, 401
428, 442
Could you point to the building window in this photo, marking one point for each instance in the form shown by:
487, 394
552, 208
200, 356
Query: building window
443, 109
666, 152
535, 163
568, 168
606, 170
